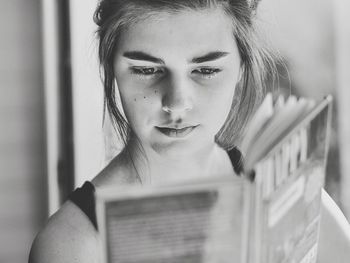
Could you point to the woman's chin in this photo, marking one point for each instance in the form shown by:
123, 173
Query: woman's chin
179, 149
174, 149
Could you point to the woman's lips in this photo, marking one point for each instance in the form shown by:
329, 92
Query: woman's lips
176, 132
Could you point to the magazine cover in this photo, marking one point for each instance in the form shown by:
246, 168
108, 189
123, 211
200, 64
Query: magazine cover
285, 195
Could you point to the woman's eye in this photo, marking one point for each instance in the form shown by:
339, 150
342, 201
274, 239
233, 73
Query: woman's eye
146, 72
207, 72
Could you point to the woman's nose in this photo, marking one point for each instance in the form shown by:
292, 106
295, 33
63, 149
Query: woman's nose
178, 96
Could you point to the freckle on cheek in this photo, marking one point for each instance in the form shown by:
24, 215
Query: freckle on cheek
144, 97
134, 99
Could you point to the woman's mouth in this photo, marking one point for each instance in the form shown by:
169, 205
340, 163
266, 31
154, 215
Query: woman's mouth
176, 132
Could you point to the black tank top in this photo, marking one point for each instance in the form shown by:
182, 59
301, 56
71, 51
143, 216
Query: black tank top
84, 197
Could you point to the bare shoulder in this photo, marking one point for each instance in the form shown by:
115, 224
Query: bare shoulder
69, 236
334, 233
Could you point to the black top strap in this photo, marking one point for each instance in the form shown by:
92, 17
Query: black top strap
84, 198
236, 158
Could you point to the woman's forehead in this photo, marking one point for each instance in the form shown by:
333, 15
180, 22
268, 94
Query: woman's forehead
183, 32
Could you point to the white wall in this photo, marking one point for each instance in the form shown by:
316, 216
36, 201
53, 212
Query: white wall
23, 195
343, 89
87, 92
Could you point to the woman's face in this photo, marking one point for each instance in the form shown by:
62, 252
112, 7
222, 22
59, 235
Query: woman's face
176, 75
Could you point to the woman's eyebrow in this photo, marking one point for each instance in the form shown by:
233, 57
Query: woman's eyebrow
210, 57
139, 55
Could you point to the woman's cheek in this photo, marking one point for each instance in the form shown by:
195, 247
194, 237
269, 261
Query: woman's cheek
141, 104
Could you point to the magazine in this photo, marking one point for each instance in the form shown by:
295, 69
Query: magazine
287, 175
270, 213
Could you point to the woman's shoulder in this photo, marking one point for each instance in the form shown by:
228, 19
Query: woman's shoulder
69, 233
68, 236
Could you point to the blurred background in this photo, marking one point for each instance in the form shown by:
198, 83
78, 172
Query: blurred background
51, 136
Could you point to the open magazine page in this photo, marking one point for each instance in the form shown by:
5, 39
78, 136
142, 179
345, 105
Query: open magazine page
256, 124
284, 119
199, 222
286, 193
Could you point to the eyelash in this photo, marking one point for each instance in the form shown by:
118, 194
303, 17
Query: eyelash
150, 72
142, 72
207, 72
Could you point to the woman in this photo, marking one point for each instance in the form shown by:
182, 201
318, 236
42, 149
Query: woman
188, 74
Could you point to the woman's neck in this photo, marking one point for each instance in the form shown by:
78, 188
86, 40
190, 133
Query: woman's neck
155, 168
